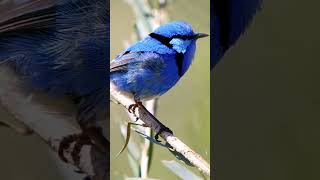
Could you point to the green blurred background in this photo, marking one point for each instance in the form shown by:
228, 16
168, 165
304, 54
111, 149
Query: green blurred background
266, 102
186, 107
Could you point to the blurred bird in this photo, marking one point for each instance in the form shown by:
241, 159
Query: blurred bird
152, 66
54, 60
230, 19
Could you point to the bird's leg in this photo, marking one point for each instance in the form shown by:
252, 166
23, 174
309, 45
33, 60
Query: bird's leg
163, 128
96, 136
89, 136
85, 140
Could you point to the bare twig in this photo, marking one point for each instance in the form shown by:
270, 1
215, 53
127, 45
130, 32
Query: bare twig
175, 143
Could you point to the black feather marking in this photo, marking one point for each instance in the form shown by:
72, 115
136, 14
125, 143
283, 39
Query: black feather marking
179, 62
164, 40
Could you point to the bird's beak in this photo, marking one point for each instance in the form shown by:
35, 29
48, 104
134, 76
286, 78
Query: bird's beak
201, 35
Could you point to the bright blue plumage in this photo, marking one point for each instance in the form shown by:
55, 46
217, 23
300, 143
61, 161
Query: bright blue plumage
61, 48
152, 66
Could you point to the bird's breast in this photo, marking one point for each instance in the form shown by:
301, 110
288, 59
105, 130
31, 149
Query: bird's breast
188, 57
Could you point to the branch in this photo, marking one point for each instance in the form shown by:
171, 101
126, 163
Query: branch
52, 122
93, 163
175, 143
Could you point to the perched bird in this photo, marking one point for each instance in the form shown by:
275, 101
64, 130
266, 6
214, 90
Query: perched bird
230, 19
54, 57
152, 66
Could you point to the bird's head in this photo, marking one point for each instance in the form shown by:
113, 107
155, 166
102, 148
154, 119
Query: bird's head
178, 35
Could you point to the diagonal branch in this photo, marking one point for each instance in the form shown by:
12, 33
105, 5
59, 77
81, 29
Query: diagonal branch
176, 144
92, 163
52, 122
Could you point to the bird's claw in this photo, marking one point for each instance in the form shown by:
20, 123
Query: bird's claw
132, 108
162, 129
79, 139
85, 138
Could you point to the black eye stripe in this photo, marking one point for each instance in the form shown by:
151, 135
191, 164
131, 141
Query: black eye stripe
166, 41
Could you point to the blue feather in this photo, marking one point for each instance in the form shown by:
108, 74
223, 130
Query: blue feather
59, 57
181, 28
63, 50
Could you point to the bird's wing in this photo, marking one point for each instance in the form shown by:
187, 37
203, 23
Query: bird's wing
121, 62
231, 17
19, 15
149, 60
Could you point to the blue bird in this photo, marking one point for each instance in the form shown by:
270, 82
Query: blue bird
54, 57
230, 19
152, 66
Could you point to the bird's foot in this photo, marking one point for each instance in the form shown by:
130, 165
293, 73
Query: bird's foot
132, 108
79, 139
163, 128
89, 136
